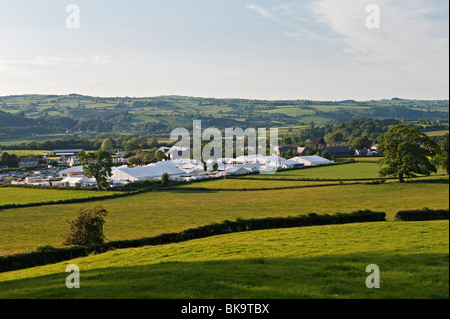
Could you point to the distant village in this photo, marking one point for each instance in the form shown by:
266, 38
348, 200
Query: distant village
69, 173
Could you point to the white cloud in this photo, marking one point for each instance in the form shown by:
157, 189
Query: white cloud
293, 18
409, 43
263, 12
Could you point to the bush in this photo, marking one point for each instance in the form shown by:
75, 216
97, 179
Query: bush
165, 179
422, 214
87, 228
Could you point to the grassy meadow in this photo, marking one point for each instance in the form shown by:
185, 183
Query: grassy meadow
153, 213
22, 195
367, 168
299, 263
250, 184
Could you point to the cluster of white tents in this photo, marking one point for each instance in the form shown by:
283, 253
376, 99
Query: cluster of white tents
187, 169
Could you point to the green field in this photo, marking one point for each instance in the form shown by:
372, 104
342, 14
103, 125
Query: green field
437, 133
299, 263
342, 171
22, 153
20, 196
157, 212
243, 184
358, 170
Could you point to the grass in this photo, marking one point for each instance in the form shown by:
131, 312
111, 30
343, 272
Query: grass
243, 184
22, 195
358, 170
22, 153
437, 133
157, 212
301, 263
343, 171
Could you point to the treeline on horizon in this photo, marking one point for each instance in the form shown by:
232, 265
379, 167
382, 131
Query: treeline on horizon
348, 132
362, 130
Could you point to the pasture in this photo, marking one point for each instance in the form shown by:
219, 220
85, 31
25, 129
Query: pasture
23, 195
359, 170
157, 212
299, 263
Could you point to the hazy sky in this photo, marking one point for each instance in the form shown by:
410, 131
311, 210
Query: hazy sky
261, 49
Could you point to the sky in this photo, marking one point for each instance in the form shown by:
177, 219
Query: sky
254, 49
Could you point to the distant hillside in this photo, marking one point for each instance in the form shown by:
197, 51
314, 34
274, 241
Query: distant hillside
158, 116
9, 120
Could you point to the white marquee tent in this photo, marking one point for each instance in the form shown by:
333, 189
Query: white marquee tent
312, 160
149, 172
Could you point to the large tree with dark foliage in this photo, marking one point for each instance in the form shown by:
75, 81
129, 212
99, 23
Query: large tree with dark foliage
406, 153
442, 158
97, 165
87, 228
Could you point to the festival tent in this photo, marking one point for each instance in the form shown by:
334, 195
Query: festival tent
235, 170
149, 172
312, 160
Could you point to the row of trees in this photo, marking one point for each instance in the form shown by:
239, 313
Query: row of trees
343, 132
10, 160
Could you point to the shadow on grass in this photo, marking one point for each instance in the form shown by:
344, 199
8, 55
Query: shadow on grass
406, 276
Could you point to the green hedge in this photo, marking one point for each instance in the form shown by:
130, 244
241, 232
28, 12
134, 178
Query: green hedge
422, 214
67, 201
50, 255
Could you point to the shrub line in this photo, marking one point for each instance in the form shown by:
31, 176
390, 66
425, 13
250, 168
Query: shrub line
422, 214
50, 255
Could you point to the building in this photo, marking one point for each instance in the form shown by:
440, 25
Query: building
28, 162
71, 172
283, 149
73, 161
364, 152
338, 150
68, 152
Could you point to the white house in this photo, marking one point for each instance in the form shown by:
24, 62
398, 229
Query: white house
28, 162
73, 161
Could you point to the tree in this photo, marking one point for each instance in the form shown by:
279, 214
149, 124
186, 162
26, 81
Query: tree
87, 228
334, 137
160, 156
442, 158
107, 145
153, 142
135, 160
165, 179
97, 165
320, 141
406, 151
361, 143
131, 145
9, 160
